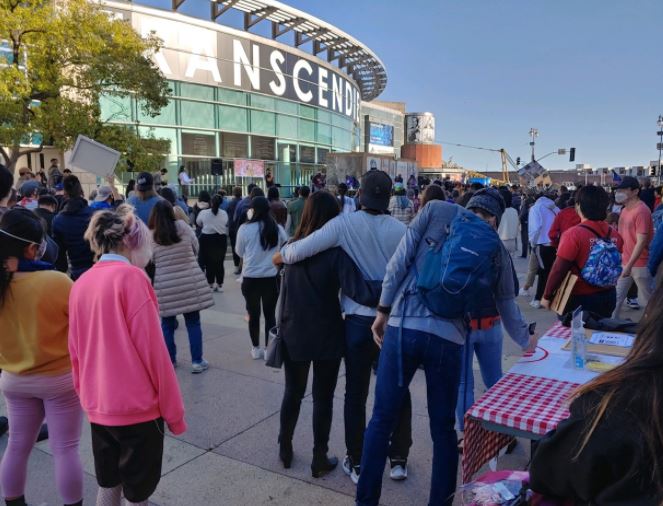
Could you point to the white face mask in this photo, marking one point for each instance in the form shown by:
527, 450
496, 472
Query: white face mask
620, 197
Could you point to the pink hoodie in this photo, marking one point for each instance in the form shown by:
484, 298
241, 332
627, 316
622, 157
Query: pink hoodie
121, 367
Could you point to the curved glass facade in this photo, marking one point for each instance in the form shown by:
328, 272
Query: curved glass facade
206, 124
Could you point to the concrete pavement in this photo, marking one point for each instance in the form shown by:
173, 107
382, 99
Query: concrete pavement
229, 455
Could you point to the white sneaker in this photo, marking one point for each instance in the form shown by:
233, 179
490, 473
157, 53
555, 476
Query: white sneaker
198, 367
263, 352
536, 304
351, 470
524, 292
399, 472
256, 352
219, 289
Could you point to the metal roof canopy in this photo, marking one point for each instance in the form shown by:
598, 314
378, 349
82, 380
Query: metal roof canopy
352, 56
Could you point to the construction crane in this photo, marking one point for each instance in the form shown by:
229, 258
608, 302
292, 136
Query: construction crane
504, 157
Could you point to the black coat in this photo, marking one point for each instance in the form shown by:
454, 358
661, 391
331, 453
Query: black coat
614, 469
311, 324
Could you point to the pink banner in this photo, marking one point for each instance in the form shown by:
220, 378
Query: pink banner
249, 168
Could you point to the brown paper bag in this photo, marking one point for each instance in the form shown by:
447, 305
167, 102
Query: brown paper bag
564, 293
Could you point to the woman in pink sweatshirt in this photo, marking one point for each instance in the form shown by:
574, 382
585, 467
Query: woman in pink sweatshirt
121, 368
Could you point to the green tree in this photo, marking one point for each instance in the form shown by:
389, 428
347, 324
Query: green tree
58, 58
138, 153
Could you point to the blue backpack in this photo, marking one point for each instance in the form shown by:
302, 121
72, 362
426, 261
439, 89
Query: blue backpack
455, 273
604, 263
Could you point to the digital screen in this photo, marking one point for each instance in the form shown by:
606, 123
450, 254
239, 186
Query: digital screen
381, 135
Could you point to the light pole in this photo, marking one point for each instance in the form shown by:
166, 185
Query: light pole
533, 133
660, 144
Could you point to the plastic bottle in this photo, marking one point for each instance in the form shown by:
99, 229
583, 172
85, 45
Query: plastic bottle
579, 344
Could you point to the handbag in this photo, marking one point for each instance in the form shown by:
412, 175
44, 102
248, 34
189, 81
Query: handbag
274, 351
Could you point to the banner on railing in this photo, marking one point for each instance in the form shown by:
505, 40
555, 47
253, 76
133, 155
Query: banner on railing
249, 168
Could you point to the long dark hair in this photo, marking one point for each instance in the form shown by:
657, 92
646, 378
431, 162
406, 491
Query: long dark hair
21, 223
168, 194
269, 230
216, 203
636, 385
162, 223
342, 192
318, 210
433, 192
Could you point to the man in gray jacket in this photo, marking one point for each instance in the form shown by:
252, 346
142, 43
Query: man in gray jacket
427, 340
369, 237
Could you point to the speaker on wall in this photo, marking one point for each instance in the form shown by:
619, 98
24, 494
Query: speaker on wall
217, 167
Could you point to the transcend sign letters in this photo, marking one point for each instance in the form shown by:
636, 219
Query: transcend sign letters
227, 59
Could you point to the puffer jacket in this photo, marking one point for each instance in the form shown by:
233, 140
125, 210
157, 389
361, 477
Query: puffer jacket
68, 229
179, 282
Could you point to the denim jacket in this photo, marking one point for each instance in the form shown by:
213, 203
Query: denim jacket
399, 291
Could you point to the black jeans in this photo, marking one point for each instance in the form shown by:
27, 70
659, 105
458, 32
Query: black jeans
257, 291
547, 257
325, 375
602, 303
236, 257
212, 254
524, 239
361, 351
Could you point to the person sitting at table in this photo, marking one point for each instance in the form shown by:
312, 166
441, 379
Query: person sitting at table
574, 251
610, 449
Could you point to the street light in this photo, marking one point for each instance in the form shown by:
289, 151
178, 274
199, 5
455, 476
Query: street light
533, 133
660, 144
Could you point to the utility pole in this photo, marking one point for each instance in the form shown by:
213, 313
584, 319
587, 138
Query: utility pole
660, 145
533, 133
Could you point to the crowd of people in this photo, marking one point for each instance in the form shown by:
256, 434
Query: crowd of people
90, 291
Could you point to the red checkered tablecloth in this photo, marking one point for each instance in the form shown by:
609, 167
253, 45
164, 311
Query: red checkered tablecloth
525, 403
558, 330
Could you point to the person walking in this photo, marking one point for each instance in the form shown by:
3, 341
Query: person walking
121, 368
311, 326
296, 208
541, 217
347, 204
277, 206
232, 227
575, 249
145, 196
410, 335
69, 228
400, 206
636, 228
178, 281
257, 241
36, 379
213, 225
370, 237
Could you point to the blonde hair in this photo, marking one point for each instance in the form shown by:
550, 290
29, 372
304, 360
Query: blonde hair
113, 230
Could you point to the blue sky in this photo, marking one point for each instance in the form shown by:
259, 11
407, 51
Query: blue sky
586, 73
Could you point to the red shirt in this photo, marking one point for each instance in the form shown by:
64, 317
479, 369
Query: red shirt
576, 244
634, 221
565, 219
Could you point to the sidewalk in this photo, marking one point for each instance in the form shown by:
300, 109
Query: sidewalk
229, 455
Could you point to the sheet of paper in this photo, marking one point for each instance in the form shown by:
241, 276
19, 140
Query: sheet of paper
610, 339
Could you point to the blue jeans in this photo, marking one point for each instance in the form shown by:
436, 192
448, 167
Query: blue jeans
194, 330
360, 353
442, 361
487, 344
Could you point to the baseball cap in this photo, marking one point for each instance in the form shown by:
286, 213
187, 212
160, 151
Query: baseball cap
28, 188
144, 182
375, 190
103, 193
489, 200
628, 183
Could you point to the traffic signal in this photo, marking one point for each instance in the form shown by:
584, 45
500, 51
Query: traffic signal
572, 155
518, 161
652, 170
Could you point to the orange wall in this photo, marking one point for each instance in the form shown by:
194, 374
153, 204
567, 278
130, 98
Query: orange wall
426, 155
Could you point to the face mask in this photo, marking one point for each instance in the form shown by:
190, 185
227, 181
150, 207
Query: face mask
249, 214
620, 197
42, 245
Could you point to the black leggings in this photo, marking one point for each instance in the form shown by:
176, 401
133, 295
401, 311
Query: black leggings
547, 256
236, 257
212, 254
255, 291
325, 374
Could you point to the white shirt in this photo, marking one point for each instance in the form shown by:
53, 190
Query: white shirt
257, 262
184, 178
509, 224
349, 205
541, 217
213, 224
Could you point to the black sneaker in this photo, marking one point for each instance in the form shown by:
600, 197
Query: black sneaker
350, 469
43, 433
